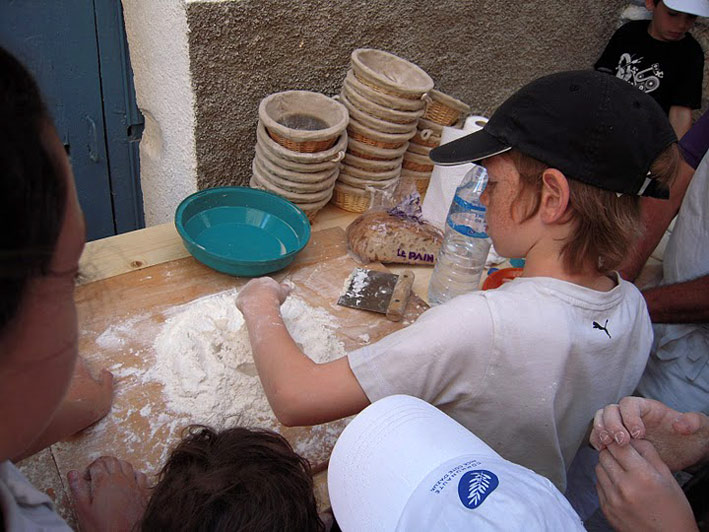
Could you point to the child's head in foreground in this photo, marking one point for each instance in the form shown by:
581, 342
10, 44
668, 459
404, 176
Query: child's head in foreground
590, 142
234, 480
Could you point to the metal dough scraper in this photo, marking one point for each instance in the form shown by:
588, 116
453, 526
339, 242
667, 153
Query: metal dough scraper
386, 293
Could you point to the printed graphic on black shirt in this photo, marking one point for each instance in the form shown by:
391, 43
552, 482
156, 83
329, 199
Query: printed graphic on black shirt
647, 80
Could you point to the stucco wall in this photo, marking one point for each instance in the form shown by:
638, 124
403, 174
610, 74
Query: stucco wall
157, 42
479, 51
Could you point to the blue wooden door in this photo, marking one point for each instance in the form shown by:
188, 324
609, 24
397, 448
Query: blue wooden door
76, 49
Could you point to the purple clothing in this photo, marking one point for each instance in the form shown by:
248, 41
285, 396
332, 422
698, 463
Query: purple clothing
695, 142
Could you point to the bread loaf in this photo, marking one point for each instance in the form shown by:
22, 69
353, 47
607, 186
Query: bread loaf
380, 236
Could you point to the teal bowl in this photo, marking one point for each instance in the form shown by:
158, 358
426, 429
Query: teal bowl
242, 231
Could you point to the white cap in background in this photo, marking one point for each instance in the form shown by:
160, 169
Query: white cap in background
693, 7
402, 464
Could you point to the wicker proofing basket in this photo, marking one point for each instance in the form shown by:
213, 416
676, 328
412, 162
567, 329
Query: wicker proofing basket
417, 163
420, 180
373, 165
382, 112
361, 133
390, 74
333, 155
368, 151
295, 197
259, 168
386, 100
303, 121
372, 121
444, 109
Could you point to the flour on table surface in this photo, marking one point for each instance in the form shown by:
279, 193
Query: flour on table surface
203, 358
196, 359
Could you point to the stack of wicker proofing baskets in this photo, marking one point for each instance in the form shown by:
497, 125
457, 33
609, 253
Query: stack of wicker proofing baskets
441, 110
385, 96
301, 138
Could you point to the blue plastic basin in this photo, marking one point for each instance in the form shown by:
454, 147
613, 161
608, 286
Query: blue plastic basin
242, 231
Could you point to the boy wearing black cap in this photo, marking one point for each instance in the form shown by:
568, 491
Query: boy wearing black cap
661, 58
524, 366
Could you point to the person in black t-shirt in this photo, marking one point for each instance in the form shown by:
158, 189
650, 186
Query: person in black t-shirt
660, 58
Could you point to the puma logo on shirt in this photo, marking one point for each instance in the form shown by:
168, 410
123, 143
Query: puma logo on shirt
597, 325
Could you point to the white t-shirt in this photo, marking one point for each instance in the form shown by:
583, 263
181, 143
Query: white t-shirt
678, 370
524, 367
22, 507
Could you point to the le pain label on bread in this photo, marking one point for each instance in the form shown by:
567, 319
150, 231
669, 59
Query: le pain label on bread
380, 236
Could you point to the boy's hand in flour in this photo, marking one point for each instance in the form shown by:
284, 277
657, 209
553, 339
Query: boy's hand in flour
262, 293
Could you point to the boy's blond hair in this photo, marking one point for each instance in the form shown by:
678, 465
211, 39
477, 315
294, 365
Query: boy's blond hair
605, 224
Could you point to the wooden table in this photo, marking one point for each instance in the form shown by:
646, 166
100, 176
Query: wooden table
127, 257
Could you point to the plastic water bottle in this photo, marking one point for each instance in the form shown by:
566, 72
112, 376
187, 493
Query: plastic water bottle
461, 260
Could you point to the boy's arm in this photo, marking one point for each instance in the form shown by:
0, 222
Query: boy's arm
656, 217
681, 119
299, 391
87, 401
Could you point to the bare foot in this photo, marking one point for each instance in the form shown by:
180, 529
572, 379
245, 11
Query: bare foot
110, 496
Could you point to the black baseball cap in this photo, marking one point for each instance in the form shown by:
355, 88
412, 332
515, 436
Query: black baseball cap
592, 126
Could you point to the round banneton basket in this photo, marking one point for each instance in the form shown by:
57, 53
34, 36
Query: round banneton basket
370, 175
417, 163
357, 182
390, 74
291, 175
426, 138
369, 151
373, 165
303, 121
295, 197
265, 155
444, 109
333, 155
295, 184
420, 180
386, 100
372, 121
366, 135
419, 149
355, 199
382, 112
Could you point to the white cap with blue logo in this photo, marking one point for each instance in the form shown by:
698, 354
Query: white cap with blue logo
404, 465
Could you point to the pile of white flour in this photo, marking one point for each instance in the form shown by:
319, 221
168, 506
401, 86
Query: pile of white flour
203, 358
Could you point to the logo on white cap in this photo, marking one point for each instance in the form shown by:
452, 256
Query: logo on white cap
475, 486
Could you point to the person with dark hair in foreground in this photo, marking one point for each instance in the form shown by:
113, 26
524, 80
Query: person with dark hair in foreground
236, 479
46, 390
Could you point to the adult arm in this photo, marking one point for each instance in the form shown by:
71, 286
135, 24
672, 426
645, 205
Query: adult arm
300, 391
656, 215
681, 440
87, 400
681, 119
686, 302
638, 492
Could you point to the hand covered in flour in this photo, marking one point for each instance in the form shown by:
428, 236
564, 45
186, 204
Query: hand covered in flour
681, 440
638, 492
262, 293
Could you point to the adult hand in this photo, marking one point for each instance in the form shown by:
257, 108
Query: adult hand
680, 439
638, 492
262, 292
